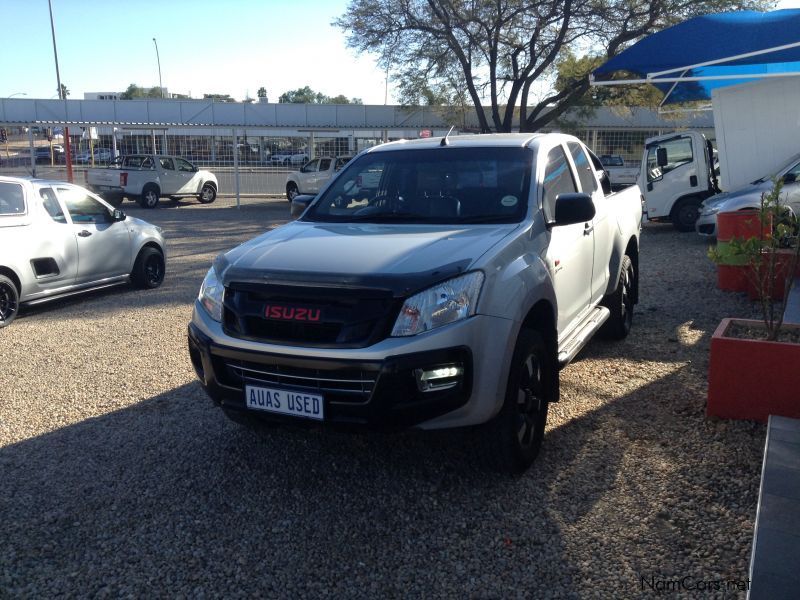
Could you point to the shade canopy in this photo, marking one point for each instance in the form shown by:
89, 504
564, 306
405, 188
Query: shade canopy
689, 60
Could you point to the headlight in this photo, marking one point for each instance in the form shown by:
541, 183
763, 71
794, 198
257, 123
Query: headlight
710, 210
210, 295
445, 303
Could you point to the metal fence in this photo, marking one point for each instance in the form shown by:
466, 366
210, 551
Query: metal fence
250, 162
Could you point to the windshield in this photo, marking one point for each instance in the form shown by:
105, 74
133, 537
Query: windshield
612, 161
434, 185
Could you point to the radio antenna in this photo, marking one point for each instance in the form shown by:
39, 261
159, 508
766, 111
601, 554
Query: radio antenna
445, 142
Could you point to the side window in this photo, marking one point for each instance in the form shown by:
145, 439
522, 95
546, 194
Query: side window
792, 175
557, 180
184, 165
166, 163
12, 199
83, 208
679, 152
340, 162
584, 168
51, 205
147, 163
310, 167
324, 164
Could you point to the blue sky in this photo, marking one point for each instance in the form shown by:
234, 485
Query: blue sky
229, 47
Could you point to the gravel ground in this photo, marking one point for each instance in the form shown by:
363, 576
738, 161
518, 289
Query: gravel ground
119, 478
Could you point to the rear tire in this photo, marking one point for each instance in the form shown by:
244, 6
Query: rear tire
620, 303
510, 442
149, 197
686, 213
208, 194
9, 301
148, 270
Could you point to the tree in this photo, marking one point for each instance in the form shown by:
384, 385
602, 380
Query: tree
305, 95
262, 93
134, 91
498, 50
64, 92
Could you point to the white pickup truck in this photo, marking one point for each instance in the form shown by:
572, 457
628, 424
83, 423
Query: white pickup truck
433, 283
148, 177
313, 176
619, 174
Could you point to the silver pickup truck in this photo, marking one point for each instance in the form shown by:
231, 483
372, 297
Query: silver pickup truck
58, 239
433, 284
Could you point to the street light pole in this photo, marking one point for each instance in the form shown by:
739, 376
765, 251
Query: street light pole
158, 58
61, 95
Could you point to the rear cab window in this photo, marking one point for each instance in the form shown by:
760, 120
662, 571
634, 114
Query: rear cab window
12, 200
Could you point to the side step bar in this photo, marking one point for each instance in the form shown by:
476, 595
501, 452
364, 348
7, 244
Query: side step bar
582, 334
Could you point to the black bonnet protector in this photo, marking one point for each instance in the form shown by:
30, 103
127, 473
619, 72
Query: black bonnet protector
399, 285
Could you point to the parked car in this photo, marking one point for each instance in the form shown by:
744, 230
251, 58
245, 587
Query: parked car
148, 177
43, 154
101, 155
57, 239
432, 284
314, 175
298, 159
280, 158
749, 196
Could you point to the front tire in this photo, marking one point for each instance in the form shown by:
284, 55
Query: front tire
9, 301
620, 303
686, 213
150, 197
207, 194
148, 270
291, 191
511, 441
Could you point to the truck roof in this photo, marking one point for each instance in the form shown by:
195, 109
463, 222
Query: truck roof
512, 140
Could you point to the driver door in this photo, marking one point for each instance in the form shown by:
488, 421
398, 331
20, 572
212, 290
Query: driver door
104, 247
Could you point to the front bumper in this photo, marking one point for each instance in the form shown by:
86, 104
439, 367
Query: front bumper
372, 388
706, 225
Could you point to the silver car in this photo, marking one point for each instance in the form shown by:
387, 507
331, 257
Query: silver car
58, 239
749, 196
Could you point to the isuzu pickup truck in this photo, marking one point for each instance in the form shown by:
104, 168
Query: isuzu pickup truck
147, 177
434, 283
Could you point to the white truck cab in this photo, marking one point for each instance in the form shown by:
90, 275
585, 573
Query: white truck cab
676, 175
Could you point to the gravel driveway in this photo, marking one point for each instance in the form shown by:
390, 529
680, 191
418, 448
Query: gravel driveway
119, 478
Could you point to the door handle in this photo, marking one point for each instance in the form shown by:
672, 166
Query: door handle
84, 233
587, 229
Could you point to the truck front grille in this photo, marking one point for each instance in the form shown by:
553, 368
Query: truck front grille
308, 316
341, 385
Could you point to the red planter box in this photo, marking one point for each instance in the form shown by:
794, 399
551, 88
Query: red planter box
743, 224
783, 263
752, 379
733, 278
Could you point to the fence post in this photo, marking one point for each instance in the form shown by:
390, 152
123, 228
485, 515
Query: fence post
33, 153
236, 165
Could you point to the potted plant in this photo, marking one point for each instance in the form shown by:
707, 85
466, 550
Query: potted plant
753, 367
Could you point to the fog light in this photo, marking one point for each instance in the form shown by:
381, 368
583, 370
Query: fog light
439, 378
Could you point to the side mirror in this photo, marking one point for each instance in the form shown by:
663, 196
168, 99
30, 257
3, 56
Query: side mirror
661, 157
789, 178
118, 215
300, 204
573, 208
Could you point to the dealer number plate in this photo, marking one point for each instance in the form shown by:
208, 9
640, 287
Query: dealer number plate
284, 402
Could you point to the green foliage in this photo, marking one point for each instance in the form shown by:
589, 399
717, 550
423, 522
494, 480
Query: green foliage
64, 92
771, 257
305, 95
134, 91
219, 97
262, 92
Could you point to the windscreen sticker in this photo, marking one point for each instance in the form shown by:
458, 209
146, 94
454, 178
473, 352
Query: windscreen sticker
509, 201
